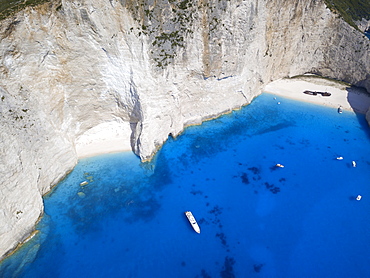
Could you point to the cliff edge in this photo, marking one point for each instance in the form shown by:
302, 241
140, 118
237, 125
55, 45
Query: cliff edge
152, 67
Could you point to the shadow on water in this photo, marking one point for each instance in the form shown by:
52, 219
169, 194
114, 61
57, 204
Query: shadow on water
134, 194
21, 262
241, 124
135, 198
138, 205
359, 99
105, 195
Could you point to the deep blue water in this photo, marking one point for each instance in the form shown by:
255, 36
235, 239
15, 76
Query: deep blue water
367, 34
256, 220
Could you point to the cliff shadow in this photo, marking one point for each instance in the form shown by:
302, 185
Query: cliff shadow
133, 136
359, 100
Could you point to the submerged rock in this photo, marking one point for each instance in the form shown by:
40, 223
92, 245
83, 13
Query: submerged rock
81, 194
67, 67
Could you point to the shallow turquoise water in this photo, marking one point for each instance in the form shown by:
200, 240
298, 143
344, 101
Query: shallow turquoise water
256, 220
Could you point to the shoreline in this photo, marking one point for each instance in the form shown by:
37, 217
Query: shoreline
109, 137
115, 136
348, 97
103, 146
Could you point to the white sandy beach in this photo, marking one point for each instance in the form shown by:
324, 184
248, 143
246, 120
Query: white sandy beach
350, 98
114, 136
104, 138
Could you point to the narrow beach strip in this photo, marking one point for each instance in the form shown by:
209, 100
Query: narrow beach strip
115, 136
109, 137
348, 97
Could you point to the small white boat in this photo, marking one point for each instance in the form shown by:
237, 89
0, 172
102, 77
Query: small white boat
84, 183
340, 110
279, 165
192, 221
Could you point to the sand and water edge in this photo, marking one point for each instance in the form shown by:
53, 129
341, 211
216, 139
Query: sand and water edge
115, 136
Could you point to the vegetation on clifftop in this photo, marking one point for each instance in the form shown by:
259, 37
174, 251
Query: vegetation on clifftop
9, 7
165, 23
350, 10
168, 24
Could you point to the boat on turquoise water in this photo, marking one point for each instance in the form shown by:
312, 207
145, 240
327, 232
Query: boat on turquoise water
192, 221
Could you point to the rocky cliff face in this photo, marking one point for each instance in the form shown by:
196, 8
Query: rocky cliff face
156, 66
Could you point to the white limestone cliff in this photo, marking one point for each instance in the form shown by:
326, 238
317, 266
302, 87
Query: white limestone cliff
363, 25
148, 70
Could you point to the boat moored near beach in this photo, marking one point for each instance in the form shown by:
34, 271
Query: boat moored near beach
311, 93
314, 93
192, 221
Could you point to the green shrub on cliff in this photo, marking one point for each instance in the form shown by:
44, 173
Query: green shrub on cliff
350, 10
8, 7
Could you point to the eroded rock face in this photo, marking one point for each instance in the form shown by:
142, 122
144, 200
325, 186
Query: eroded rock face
363, 25
158, 66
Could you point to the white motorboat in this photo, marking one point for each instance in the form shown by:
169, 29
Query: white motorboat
192, 221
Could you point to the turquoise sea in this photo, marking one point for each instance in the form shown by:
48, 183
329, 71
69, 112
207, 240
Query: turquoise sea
256, 220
